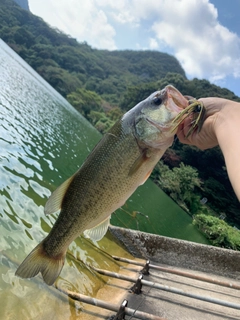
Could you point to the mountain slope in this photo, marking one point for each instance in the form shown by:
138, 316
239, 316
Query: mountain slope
87, 77
67, 64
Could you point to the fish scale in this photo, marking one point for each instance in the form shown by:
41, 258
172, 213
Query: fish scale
101, 180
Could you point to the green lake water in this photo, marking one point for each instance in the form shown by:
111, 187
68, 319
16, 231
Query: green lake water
43, 141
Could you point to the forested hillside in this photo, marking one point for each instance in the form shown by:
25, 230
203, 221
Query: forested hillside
68, 65
103, 84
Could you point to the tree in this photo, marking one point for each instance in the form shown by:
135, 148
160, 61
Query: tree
218, 231
135, 94
62, 80
85, 101
179, 183
175, 79
24, 37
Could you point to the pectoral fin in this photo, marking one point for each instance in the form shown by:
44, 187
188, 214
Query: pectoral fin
146, 177
99, 231
54, 203
144, 156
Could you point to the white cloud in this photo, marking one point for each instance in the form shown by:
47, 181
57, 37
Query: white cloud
153, 44
121, 11
203, 46
190, 29
83, 20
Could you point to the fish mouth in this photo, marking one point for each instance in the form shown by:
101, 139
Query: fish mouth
176, 102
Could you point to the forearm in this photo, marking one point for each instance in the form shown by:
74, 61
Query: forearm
228, 135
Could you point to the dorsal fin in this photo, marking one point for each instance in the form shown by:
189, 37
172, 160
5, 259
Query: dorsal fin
54, 203
98, 232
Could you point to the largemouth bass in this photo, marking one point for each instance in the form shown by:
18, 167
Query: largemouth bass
120, 162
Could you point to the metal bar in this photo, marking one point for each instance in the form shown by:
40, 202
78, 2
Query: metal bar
183, 273
169, 289
114, 275
191, 295
108, 306
197, 277
137, 263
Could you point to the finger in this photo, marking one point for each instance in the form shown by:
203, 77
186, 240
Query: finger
183, 129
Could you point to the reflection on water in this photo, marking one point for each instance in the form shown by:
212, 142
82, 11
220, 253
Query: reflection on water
43, 141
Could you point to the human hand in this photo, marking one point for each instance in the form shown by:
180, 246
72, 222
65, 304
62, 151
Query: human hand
221, 127
217, 111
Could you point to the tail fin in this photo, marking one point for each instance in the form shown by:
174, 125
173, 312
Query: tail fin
38, 261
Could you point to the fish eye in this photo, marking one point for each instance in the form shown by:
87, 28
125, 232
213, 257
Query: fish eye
157, 100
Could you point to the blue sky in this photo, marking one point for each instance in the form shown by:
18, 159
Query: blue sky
204, 35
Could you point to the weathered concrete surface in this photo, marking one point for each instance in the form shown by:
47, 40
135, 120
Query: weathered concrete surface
180, 253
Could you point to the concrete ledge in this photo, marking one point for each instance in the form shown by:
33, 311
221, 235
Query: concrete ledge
180, 253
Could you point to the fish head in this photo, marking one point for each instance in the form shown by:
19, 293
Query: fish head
154, 121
